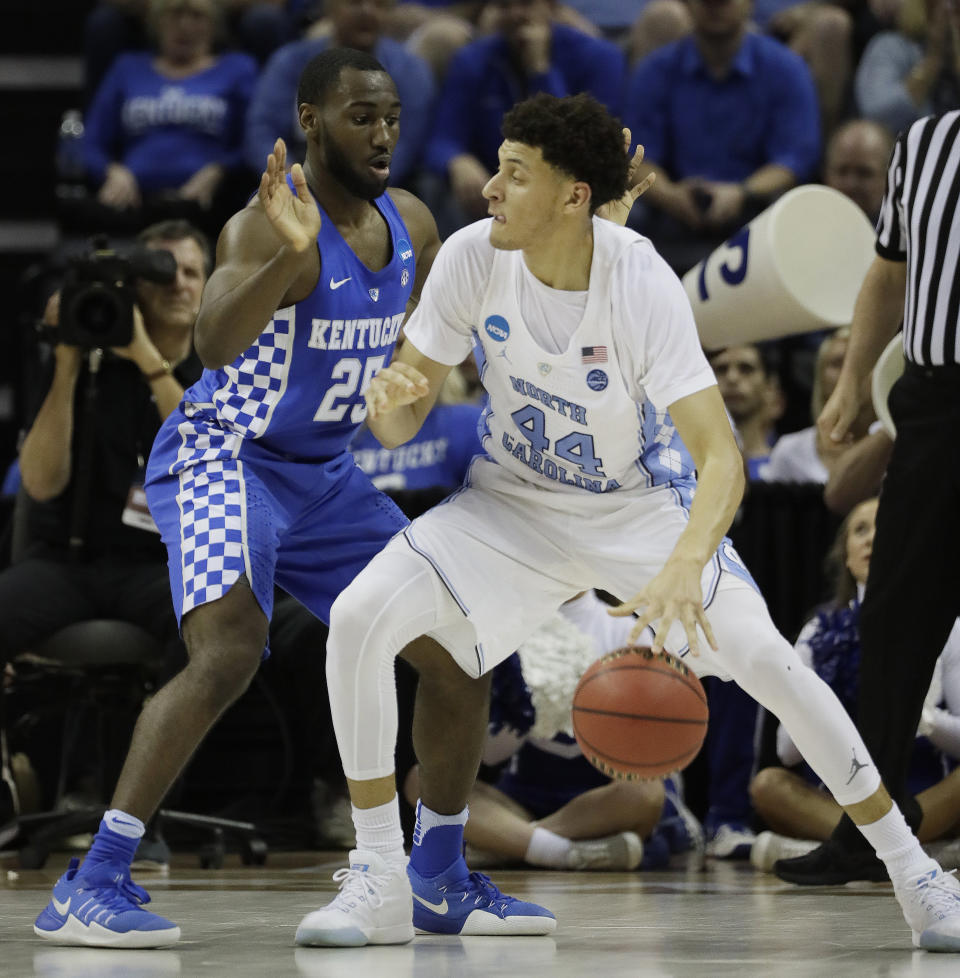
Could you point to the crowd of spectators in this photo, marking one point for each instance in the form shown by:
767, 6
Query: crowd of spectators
734, 102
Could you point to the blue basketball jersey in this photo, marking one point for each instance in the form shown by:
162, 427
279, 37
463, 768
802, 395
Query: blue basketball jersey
298, 389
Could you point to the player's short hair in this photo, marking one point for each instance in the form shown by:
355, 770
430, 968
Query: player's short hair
321, 73
577, 135
176, 230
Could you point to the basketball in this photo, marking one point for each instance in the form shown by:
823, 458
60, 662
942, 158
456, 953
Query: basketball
638, 715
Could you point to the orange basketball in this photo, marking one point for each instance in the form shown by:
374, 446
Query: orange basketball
639, 715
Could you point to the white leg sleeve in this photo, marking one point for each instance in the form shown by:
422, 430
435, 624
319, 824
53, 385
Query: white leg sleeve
395, 599
764, 664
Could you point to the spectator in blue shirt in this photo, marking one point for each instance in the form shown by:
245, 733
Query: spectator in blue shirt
529, 53
169, 123
353, 24
728, 120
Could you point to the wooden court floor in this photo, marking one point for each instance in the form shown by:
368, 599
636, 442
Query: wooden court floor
724, 920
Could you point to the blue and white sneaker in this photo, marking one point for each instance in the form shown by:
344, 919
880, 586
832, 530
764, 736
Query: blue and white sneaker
372, 906
931, 906
461, 902
101, 907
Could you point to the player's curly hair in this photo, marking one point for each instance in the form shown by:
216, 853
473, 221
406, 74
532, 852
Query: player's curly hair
577, 135
322, 72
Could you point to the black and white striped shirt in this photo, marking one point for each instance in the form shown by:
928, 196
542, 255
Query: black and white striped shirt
920, 224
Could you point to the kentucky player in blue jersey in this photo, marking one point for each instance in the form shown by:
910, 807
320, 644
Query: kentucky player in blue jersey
251, 484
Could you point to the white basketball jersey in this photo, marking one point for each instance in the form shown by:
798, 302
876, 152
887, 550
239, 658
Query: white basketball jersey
568, 420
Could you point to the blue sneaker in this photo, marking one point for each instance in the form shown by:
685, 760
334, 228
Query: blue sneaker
101, 907
460, 902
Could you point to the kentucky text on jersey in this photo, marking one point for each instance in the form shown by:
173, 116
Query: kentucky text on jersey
354, 334
567, 408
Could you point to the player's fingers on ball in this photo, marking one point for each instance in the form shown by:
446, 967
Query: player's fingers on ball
693, 639
707, 630
660, 636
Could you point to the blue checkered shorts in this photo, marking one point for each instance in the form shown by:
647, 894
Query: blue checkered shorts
309, 527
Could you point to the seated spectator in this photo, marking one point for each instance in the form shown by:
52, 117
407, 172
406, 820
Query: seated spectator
120, 569
751, 393
166, 129
791, 799
914, 70
728, 120
99, 556
274, 110
805, 455
528, 52
550, 807
856, 163
114, 26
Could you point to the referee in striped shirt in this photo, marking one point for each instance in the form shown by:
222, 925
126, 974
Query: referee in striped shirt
913, 590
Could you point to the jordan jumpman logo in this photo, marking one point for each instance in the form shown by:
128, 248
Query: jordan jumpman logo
855, 765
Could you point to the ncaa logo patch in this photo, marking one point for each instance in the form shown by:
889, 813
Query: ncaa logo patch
497, 328
404, 278
375, 294
404, 250
597, 380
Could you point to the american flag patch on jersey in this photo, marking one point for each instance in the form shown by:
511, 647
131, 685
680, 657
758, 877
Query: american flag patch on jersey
593, 354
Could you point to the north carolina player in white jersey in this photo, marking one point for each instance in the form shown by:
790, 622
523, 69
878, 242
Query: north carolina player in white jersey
598, 389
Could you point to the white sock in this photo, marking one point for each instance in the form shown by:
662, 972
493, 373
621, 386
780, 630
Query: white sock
378, 830
129, 826
897, 846
547, 849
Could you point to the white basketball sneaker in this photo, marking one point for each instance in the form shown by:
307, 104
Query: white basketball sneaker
374, 906
931, 905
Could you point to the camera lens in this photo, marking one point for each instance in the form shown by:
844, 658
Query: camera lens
97, 310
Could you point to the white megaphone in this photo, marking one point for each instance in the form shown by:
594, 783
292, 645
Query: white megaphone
796, 267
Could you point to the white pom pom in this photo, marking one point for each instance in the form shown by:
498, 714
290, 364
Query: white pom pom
553, 660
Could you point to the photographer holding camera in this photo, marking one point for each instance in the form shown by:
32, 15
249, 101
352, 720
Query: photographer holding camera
123, 355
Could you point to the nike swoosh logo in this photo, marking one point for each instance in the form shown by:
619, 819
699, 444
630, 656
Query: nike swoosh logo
440, 908
62, 908
336, 285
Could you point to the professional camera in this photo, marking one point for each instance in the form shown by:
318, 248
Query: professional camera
99, 293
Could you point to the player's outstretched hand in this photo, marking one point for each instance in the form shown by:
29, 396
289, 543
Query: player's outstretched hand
673, 595
619, 210
295, 217
393, 387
